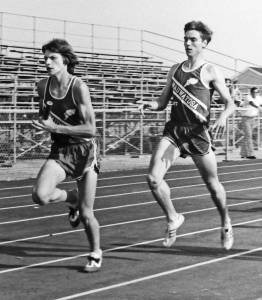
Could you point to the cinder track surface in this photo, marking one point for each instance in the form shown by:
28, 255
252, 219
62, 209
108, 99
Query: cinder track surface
41, 257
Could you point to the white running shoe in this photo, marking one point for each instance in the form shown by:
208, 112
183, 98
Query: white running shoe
94, 262
227, 237
172, 227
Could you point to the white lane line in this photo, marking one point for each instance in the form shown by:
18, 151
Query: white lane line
127, 205
137, 175
121, 247
32, 219
174, 179
177, 187
147, 190
121, 223
15, 196
19, 206
160, 274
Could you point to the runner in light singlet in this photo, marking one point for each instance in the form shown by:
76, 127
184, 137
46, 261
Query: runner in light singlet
74, 150
190, 86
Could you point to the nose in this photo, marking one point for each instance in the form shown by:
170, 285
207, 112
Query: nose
47, 61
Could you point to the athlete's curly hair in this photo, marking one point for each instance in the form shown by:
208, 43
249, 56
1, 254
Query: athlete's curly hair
65, 49
205, 31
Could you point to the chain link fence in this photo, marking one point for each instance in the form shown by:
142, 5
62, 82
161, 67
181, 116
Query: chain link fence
121, 132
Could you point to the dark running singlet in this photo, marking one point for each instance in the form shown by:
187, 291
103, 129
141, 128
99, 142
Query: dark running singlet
64, 111
191, 98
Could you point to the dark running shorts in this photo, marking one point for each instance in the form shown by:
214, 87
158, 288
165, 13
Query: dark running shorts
76, 159
190, 139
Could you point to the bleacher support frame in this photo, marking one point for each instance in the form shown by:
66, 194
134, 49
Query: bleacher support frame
130, 133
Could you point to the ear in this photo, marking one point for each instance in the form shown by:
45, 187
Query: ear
65, 60
204, 43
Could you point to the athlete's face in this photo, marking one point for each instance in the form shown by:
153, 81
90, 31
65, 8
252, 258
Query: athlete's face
54, 63
193, 42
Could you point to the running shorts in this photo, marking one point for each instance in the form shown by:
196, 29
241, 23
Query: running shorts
76, 159
191, 139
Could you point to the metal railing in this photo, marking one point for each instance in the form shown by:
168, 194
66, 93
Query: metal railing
33, 31
121, 132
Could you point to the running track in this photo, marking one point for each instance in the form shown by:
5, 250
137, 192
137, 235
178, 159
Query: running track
41, 256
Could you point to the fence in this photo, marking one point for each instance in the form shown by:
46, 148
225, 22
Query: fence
125, 132
34, 31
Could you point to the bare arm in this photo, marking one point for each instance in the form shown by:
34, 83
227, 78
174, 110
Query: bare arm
162, 102
41, 92
87, 128
215, 76
251, 102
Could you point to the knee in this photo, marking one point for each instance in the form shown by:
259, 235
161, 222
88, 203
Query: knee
86, 215
39, 196
153, 181
214, 186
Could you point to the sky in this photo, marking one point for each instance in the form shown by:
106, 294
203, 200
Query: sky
237, 24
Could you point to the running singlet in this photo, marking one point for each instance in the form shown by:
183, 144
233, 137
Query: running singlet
64, 111
191, 98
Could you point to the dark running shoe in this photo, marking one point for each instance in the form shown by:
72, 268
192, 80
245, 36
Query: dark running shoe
73, 216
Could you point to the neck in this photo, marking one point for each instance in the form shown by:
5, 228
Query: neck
195, 61
61, 79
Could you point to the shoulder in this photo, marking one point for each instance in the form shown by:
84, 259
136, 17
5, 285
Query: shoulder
42, 82
259, 99
212, 73
80, 89
211, 69
79, 84
41, 86
172, 70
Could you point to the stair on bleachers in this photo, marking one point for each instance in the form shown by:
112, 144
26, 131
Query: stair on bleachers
113, 80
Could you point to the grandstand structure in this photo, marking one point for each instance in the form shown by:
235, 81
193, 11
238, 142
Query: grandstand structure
119, 72
113, 80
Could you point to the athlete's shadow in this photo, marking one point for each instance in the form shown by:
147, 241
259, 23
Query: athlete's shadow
40, 249
244, 198
192, 251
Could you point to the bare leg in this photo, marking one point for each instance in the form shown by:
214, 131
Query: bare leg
207, 166
45, 190
87, 191
161, 160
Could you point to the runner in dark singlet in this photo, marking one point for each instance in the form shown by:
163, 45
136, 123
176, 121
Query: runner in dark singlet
74, 151
190, 86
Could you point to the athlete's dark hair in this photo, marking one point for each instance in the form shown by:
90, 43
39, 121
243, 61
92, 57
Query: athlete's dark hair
253, 89
205, 32
65, 49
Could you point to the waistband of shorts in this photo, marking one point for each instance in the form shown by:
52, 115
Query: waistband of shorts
189, 125
79, 143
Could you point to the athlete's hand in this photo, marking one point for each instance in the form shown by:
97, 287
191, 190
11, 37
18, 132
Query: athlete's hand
44, 125
142, 104
218, 129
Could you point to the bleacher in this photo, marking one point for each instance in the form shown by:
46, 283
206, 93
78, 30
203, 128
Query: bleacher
113, 80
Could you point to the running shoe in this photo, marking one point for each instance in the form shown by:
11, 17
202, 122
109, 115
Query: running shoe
73, 215
172, 227
227, 237
94, 262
